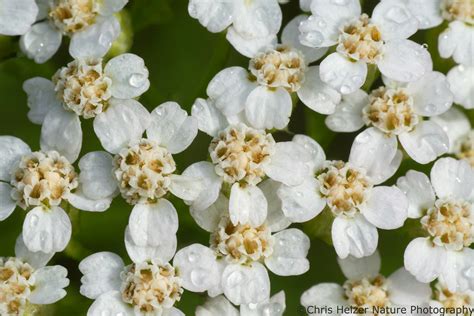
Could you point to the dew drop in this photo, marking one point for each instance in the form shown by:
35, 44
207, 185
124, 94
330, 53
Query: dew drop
137, 80
235, 278
425, 46
345, 89
34, 220
192, 257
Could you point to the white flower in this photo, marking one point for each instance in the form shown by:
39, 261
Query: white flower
462, 85
457, 40
233, 264
84, 88
349, 191
360, 40
444, 205
263, 92
26, 281
219, 305
142, 169
148, 286
367, 288
248, 23
461, 136
443, 297
241, 157
41, 182
17, 16
90, 24
397, 110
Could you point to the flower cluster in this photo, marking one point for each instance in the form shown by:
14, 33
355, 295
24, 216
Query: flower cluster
255, 182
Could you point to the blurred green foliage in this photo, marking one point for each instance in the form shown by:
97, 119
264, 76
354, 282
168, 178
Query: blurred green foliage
182, 57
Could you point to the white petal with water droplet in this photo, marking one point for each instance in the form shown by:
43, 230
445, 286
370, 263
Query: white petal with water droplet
129, 76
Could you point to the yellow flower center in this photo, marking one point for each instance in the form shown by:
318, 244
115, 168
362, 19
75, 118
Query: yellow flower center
15, 286
460, 10
71, 16
464, 148
450, 299
368, 292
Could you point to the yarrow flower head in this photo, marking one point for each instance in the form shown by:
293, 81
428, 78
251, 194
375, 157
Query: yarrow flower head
17, 16
350, 192
248, 23
90, 24
241, 158
444, 205
262, 94
367, 288
443, 297
219, 305
457, 40
42, 183
380, 40
87, 88
234, 264
142, 168
397, 110
148, 286
26, 282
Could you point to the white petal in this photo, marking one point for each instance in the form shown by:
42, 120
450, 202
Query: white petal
424, 260
247, 205
427, 12
289, 253
372, 150
387, 207
290, 36
417, 187
218, 305
204, 171
82, 202
462, 86
354, 236
164, 251
347, 116
172, 127
96, 175
275, 306
152, 224
342, 74
229, 89
324, 294
122, 123
129, 76
37, 259
305, 5
41, 98
289, 163
197, 267
11, 151
405, 61
61, 131
173, 311
318, 157
184, 187
209, 119
406, 290
208, 218
457, 41
109, 7
455, 124
268, 109
257, 18
95, 40
47, 230
101, 274
49, 285
41, 42
426, 142
7, 204
216, 16
302, 202
457, 274
452, 178
359, 268
316, 94
322, 28
276, 220
394, 20
431, 94
249, 46
110, 303
17, 16
246, 284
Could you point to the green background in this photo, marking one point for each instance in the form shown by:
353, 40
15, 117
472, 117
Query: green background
182, 57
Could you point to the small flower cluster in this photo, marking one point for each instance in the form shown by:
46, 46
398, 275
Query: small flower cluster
253, 186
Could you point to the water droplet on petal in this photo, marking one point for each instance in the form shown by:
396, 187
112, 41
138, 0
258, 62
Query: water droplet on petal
137, 80
34, 220
235, 278
345, 89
